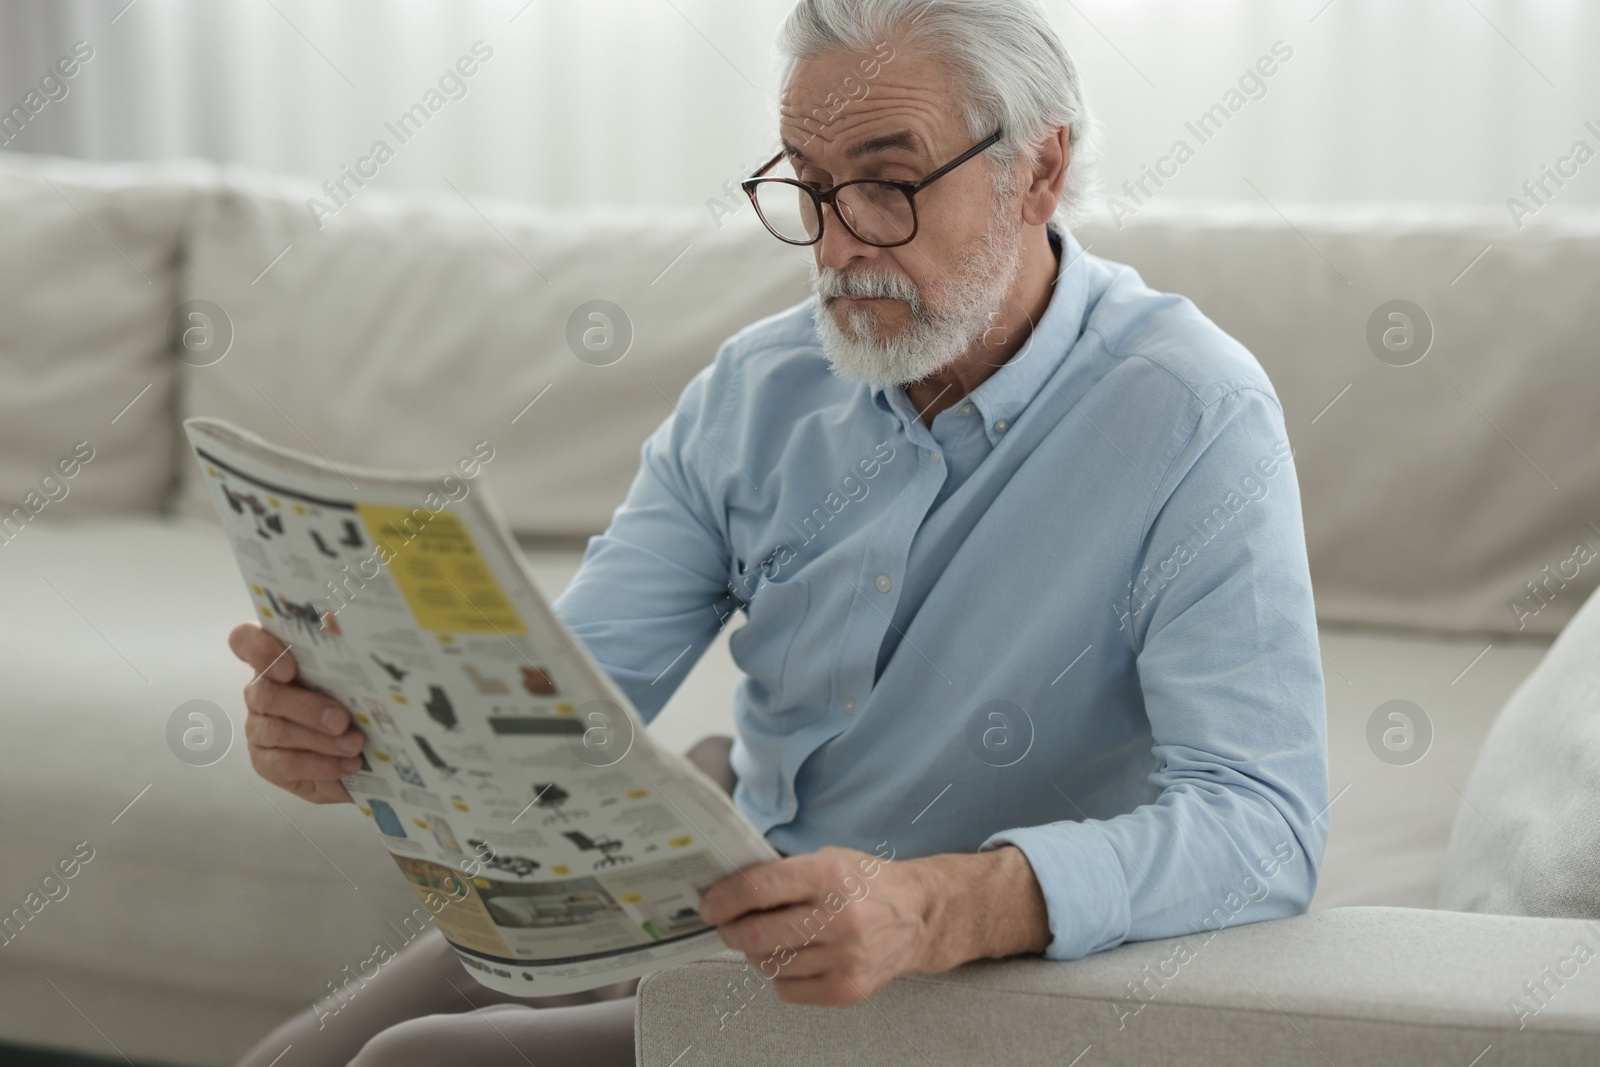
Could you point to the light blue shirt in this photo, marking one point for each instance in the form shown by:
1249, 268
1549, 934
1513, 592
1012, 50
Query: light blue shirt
1074, 615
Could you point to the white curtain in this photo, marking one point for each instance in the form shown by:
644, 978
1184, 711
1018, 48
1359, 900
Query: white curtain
663, 101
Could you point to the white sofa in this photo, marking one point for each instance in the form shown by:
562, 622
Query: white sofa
410, 326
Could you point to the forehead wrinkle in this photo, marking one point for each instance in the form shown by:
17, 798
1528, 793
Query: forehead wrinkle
896, 140
909, 95
907, 115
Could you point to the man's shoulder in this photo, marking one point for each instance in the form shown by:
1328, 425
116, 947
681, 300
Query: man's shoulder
1146, 332
761, 376
780, 355
787, 336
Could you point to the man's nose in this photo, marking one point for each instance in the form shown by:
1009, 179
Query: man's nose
839, 247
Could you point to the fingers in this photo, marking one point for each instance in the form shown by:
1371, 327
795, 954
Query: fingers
296, 735
321, 792
270, 732
814, 957
822, 992
297, 704
780, 882
805, 940
299, 740
759, 888
831, 970
264, 653
288, 767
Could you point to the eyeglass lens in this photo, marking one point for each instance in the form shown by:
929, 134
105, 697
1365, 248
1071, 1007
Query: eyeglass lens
877, 212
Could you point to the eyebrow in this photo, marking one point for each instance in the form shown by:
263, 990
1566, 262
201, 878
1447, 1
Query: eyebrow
885, 142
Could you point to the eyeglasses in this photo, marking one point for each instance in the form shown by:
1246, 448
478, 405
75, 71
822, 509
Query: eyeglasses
876, 211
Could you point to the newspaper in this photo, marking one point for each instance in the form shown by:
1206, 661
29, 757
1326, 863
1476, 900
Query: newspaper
556, 845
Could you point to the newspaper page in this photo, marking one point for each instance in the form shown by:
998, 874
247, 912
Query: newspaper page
557, 846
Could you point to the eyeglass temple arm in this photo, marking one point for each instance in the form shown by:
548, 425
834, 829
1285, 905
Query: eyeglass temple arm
768, 165
981, 146
941, 172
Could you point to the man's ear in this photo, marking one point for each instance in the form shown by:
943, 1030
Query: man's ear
1047, 178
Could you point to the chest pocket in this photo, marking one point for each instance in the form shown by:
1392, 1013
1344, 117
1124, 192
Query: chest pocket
762, 646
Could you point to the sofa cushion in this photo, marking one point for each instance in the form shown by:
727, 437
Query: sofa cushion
410, 326
1393, 459
1526, 839
88, 268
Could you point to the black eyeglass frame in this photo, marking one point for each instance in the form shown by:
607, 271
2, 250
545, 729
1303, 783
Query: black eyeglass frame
828, 196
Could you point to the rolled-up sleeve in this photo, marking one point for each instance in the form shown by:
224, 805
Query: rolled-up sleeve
647, 598
1223, 625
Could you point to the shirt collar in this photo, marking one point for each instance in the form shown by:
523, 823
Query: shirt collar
1003, 396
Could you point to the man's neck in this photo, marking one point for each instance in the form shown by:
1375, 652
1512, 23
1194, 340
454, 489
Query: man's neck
1024, 306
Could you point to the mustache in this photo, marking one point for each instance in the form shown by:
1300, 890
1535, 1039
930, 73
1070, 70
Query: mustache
833, 283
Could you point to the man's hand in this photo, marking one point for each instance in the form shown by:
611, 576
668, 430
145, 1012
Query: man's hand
833, 927
299, 740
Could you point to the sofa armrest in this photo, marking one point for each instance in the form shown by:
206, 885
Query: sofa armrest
1347, 986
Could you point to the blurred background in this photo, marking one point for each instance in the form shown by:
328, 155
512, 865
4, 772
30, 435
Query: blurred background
658, 102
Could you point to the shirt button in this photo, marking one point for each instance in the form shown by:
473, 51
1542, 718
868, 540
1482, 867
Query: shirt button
938, 458
966, 409
884, 584
1001, 425
849, 705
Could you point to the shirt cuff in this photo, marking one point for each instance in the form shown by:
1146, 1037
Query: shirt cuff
1081, 877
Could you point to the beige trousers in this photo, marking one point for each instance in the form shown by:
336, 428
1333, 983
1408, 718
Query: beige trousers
423, 1010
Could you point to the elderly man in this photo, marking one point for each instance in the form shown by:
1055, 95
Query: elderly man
1019, 544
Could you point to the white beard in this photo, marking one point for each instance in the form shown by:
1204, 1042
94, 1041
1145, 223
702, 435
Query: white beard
971, 293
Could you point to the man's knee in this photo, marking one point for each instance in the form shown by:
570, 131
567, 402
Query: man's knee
423, 1042
710, 754
509, 1035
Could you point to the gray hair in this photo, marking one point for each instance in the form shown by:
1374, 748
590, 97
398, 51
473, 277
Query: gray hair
1013, 70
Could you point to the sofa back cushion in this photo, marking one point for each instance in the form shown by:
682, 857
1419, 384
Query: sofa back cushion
1526, 839
1461, 491
1451, 493
408, 327
88, 281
